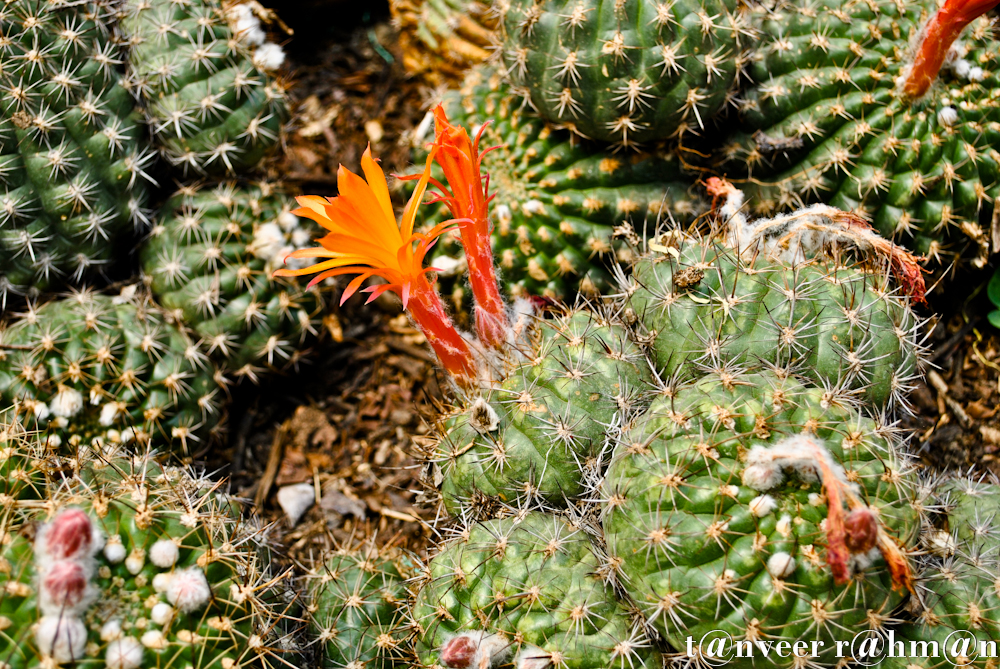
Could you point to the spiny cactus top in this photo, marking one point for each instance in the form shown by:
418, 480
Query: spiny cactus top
753, 506
72, 155
626, 71
829, 119
210, 104
561, 208
208, 261
526, 589
358, 609
133, 566
93, 366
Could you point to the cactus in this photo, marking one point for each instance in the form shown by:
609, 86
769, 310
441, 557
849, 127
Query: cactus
440, 40
626, 72
755, 506
830, 119
71, 147
562, 210
539, 435
526, 588
358, 606
208, 262
134, 565
92, 366
211, 105
702, 301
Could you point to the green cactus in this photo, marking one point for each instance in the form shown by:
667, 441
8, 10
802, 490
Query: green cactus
753, 506
358, 606
93, 366
626, 72
208, 261
72, 150
527, 588
539, 435
702, 302
134, 565
826, 121
211, 106
563, 211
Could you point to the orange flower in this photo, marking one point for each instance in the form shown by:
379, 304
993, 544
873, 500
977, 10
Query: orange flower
365, 239
461, 161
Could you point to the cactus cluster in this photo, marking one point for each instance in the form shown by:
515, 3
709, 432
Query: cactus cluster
128, 564
91, 366
208, 261
202, 78
828, 119
74, 162
563, 211
626, 72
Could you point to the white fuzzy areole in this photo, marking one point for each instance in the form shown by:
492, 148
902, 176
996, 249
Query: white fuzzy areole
164, 553
62, 637
780, 565
161, 613
67, 403
761, 505
188, 590
124, 653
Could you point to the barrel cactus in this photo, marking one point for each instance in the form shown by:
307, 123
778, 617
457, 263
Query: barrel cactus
830, 118
626, 72
525, 589
208, 261
208, 98
750, 507
72, 150
563, 210
92, 366
133, 565
358, 606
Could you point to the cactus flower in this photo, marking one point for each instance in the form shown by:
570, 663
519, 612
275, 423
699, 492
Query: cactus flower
365, 239
466, 197
938, 36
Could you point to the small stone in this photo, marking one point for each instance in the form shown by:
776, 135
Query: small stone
295, 500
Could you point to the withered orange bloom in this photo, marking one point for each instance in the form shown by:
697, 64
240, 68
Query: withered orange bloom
466, 197
365, 239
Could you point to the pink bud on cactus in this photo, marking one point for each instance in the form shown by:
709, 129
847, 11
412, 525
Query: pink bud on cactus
458, 652
70, 536
63, 587
861, 526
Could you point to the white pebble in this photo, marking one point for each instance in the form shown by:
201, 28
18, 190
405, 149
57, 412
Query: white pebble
780, 565
188, 590
161, 614
67, 403
62, 638
124, 653
164, 553
295, 500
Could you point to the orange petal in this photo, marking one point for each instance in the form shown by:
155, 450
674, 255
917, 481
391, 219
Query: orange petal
410, 213
376, 180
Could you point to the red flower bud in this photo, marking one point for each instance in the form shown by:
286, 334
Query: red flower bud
458, 652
